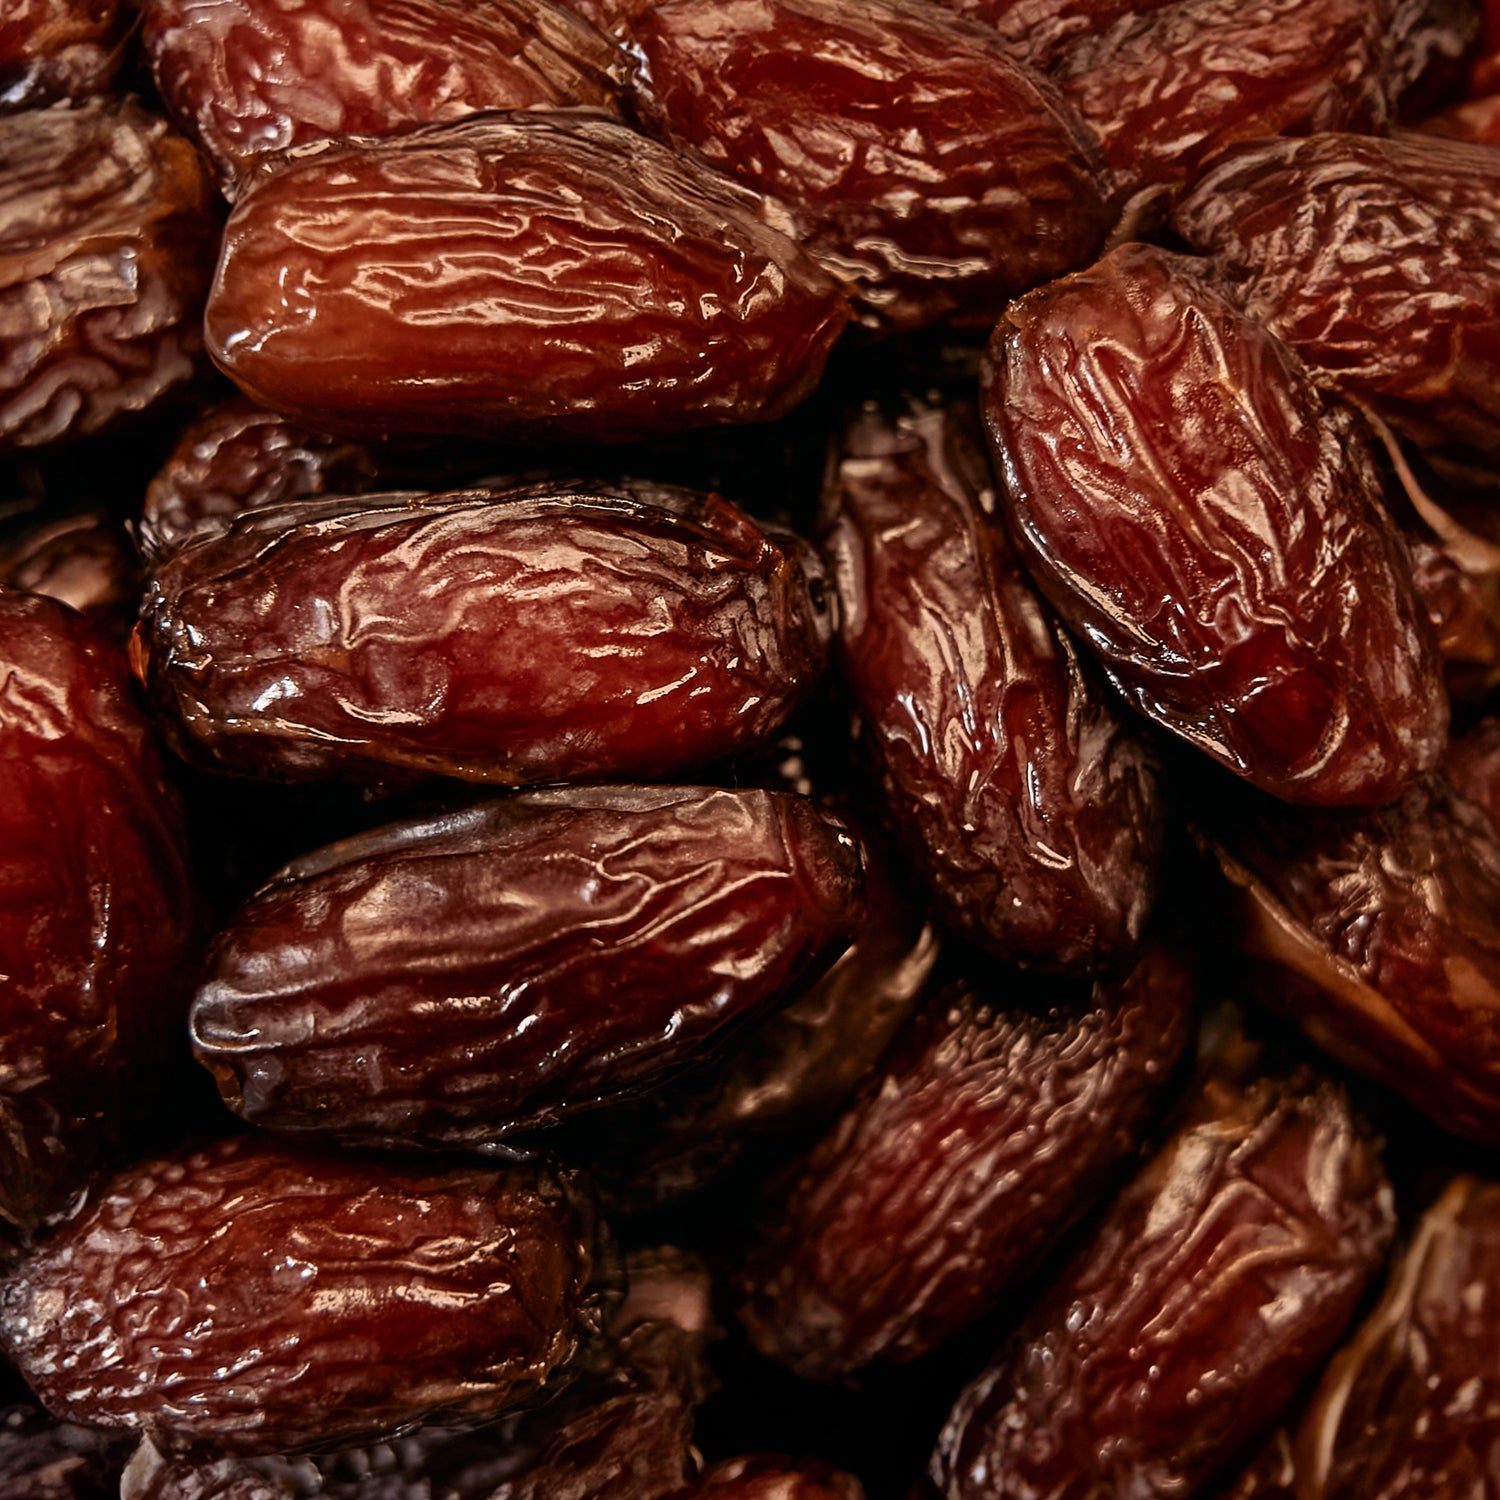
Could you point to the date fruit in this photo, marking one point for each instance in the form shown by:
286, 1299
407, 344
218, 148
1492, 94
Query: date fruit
538, 634
1016, 788
58, 49
521, 273
263, 1300
1214, 529
249, 78
85, 561
105, 254
1221, 1279
985, 1135
455, 979
920, 162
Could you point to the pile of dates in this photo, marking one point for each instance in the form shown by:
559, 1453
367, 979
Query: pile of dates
749, 749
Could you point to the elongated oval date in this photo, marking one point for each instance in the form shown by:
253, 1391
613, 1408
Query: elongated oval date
265, 1300
1195, 511
1413, 328
106, 248
95, 903
1379, 932
58, 49
247, 78
920, 161
985, 1135
540, 634
553, 274
1219, 1282
1030, 808
455, 979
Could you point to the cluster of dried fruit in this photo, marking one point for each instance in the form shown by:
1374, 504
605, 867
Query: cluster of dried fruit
791, 797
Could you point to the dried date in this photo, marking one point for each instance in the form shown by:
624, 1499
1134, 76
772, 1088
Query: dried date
555, 274
1220, 1280
260, 1300
1197, 512
58, 49
1029, 806
920, 162
455, 979
1464, 609
85, 561
1039, 31
347, 637
986, 1134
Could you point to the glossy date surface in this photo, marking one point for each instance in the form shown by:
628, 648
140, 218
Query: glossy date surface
258, 1300
540, 273
455, 979
1028, 804
920, 162
542, 634
1218, 1283
983, 1136
1215, 530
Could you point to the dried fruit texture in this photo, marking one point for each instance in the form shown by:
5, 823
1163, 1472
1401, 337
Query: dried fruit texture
265, 1300
249, 78
920, 162
1381, 933
57, 49
85, 561
1378, 261
1220, 1280
95, 903
1166, 90
346, 637
105, 255
240, 456
44, 1460
1202, 517
553, 274
1428, 47
985, 1135
1040, 31
1473, 766
454, 979
768, 1477
1030, 808
1464, 610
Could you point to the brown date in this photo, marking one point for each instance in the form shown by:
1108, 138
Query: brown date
767, 1477
105, 251
249, 78
1014, 785
985, 1135
1039, 31
920, 162
1201, 516
455, 979
95, 904
45, 1460
257, 1299
1414, 330
553, 274
1379, 933
85, 561
1219, 1282
345, 637
57, 49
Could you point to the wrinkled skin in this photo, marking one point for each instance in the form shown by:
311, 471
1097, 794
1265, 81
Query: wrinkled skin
85, 561
57, 49
44, 1460
767, 1477
515, 274
1379, 933
1220, 1280
458, 978
1040, 31
1167, 90
1413, 330
105, 255
1014, 785
985, 1135
95, 904
349, 1298
249, 78
343, 637
1464, 610
1198, 513
919, 161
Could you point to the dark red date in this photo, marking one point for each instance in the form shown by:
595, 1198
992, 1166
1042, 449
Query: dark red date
453, 980
1199, 514
262, 1300
1013, 783
550, 274
966, 1157
58, 49
541, 634
1219, 1282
